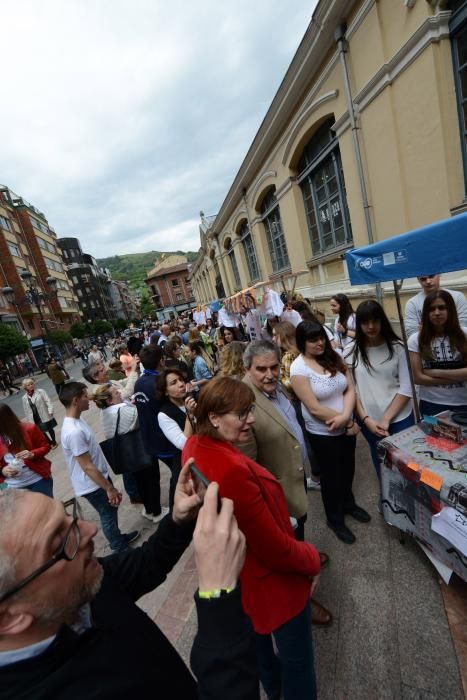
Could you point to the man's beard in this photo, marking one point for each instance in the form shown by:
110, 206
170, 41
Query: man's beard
68, 615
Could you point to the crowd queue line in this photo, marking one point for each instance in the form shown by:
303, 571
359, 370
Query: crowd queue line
265, 419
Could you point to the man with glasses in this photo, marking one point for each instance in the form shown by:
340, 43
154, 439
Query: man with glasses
414, 306
98, 373
69, 625
88, 468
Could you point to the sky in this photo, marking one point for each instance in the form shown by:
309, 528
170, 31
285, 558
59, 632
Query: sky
122, 119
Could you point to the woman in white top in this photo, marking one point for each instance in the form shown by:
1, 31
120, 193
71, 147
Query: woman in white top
174, 418
344, 325
381, 375
147, 480
319, 379
38, 409
438, 355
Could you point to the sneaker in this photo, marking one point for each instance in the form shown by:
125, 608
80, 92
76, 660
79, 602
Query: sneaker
162, 514
147, 515
131, 536
313, 485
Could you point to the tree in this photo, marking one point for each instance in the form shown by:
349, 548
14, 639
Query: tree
100, 326
120, 324
58, 337
147, 307
78, 330
12, 342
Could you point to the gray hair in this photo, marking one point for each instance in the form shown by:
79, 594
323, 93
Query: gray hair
9, 501
27, 381
259, 347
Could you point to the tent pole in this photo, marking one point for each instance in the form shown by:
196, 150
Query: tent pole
397, 286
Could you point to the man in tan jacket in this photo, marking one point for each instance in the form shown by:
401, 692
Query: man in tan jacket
277, 441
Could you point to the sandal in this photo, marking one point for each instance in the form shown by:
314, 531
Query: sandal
320, 615
324, 558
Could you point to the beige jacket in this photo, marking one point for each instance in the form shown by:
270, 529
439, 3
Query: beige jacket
275, 447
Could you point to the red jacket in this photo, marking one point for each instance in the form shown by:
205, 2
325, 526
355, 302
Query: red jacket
275, 579
36, 443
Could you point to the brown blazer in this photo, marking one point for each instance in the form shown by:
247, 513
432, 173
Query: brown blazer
275, 447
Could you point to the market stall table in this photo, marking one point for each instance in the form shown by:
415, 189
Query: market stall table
424, 491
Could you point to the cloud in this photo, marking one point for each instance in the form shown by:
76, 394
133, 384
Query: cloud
124, 119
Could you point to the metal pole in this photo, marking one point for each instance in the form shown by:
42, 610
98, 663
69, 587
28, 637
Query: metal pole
397, 286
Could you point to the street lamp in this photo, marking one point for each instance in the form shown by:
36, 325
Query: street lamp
34, 295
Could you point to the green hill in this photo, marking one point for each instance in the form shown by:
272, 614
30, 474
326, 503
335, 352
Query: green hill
133, 267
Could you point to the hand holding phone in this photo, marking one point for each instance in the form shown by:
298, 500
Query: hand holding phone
201, 483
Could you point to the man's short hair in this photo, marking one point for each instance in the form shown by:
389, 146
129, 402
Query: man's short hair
151, 356
259, 347
89, 372
70, 391
9, 502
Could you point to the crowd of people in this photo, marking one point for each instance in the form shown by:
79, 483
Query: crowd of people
267, 417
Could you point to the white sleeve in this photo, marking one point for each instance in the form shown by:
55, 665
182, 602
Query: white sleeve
298, 368
461, 306
412, 342
405, 388
48, 402
171, 430
27, 410
77, 443
128, 419
411, 321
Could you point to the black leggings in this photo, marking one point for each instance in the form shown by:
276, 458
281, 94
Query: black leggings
336, 458
148, 481
175, 465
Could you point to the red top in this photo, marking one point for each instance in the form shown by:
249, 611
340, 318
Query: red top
275, 580
36, 443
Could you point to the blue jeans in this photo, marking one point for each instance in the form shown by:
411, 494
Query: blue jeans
427, 408
109, 519
373, 439
131, 487
293, 671
44, 486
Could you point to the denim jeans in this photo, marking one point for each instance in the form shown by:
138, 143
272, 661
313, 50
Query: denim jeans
109, 519
293, 670
44, 486
131, 487
427, 408
373, 439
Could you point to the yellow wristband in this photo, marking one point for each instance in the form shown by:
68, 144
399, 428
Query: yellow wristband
208, 595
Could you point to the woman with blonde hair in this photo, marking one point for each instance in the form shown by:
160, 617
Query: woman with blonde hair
231, 360
38, 409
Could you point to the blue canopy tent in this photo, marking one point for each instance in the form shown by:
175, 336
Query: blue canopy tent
438, 247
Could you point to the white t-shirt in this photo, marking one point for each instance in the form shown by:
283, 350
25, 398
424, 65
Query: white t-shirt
77, 438
377, 387
328, 390
448, 394
414, 308
344, 340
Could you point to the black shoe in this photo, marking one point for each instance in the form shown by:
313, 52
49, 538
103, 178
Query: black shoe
343, 533
359, 514
131, 536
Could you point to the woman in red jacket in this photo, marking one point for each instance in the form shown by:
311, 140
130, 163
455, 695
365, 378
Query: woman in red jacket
279, 572
22, 454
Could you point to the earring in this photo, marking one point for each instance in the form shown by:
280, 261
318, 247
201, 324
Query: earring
216, 426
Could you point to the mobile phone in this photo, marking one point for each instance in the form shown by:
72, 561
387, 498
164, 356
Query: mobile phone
201, 483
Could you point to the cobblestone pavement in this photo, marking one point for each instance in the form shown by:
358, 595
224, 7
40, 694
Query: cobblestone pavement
390, 637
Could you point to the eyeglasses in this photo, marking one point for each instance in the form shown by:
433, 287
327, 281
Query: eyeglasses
67, 550
244, 415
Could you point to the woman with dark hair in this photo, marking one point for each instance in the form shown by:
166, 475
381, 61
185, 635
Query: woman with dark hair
174, 357
319, 379
279, 572
344, 326
438, 355
175, 419
23, 447
381, 376
203, 368
229, 334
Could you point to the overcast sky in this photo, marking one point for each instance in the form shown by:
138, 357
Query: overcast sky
122, 119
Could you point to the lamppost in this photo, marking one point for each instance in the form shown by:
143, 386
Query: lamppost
34, 295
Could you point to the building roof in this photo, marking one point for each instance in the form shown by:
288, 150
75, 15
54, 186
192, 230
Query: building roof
182, 267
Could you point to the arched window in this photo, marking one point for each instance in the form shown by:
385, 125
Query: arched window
249, 250
322, 181
458, 31
233, 264
275, 236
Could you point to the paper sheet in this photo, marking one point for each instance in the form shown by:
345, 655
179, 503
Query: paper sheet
452, 525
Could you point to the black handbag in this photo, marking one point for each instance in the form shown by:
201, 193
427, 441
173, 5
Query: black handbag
48, 425
125, 453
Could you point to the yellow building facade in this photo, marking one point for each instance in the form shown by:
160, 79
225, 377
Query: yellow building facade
364, 140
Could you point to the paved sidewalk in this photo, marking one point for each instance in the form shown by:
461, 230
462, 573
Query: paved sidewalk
390, 637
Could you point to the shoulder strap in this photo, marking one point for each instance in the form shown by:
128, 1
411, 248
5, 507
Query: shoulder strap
118, 423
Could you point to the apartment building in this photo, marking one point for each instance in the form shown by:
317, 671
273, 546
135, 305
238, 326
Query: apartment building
91, 283
366, 138
31, 267
123, 301
169, 285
